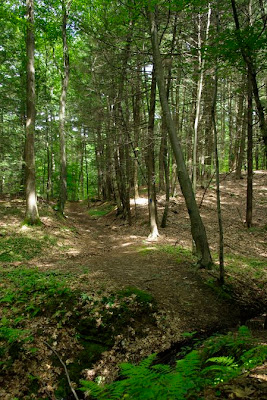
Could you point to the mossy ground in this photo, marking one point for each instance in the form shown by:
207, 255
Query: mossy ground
101, 209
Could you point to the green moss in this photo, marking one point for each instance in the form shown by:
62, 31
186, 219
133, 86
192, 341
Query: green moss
19, 248
141, 296
95, 318
222, 291
30, 222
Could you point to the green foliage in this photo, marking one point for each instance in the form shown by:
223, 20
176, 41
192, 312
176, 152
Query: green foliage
101, 210
19, 248
219, 359
141, 296
246, 266
25, 294
181, 254
30, 287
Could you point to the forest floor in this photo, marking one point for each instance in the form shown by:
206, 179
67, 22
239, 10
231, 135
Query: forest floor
101, 253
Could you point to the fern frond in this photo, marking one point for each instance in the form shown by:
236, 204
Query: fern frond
254, 356
92, 388
227, 361
162, 369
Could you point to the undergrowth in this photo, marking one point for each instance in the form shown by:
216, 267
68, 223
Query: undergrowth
180, 253
22, 247
219, 359
92, 320
101, 210
244, 266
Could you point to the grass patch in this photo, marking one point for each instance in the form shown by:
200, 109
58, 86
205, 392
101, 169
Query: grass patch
11, 211
27, 289
21, 248
181, 254
101, 210
245, 266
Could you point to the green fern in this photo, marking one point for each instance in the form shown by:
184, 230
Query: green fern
224, 361
222, 369
219, 359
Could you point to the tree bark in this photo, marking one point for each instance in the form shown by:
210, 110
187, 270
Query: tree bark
62, 112
151, 173
240, 131
249, 155
165, 134
136, 99
197, 227
252, 72
201, 65
32, 216
217, 168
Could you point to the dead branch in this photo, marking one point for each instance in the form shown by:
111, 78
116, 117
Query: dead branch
65, 369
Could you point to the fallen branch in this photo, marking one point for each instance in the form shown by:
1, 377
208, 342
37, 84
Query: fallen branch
65, 369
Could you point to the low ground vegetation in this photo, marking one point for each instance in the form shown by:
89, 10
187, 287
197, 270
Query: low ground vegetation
91, 293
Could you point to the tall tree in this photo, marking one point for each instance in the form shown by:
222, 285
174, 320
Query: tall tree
197, 227
246, 52
152, 201
249, 153
32, 216
201, 66
217, 166
62, 109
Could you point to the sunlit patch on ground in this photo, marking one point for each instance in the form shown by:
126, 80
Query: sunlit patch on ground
141, 201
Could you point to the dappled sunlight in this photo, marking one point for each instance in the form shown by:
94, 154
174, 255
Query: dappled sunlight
141, 201
73, 252
126, 244
147, 249
25, 228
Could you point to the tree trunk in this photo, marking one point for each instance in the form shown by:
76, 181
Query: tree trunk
252, 71
249, 154
151, 173
217, 168
62, 113
197, 227
165, 134
32, 216
240, 131
201, 65
240, 156
136, 120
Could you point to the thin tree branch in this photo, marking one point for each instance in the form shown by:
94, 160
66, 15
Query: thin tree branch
65, 369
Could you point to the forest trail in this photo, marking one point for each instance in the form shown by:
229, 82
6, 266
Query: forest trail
130, 260
96, 257
111, 252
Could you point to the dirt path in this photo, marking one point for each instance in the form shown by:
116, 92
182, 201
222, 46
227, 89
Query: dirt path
103, 255
100, 256
119, 255
115, 255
